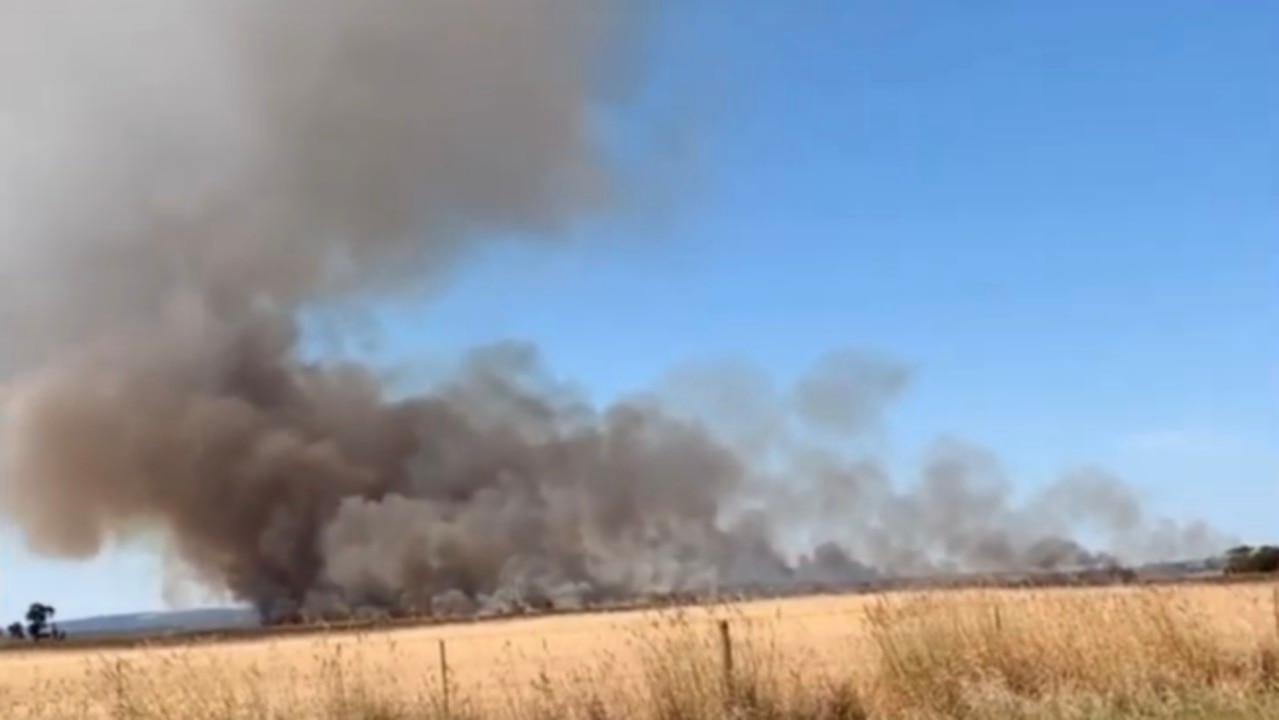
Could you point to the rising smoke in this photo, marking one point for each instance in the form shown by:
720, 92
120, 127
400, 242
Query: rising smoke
182, 178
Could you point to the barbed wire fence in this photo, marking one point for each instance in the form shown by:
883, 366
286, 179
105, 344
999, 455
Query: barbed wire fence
510, 663
466, 669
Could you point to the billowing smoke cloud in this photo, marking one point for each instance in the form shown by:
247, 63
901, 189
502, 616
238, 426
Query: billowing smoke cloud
182, 178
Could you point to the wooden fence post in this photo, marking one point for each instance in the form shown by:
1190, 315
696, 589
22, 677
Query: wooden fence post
444, 679
726, 653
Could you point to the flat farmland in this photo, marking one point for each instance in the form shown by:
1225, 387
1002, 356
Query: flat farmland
1194, 650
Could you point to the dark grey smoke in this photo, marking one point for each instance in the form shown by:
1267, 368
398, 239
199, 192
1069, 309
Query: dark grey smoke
184, 177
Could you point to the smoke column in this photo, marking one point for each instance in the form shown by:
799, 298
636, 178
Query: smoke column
182, 178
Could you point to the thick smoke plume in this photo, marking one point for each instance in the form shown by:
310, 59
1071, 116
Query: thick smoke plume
183, 178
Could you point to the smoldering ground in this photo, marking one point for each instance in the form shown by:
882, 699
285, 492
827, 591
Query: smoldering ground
183, 178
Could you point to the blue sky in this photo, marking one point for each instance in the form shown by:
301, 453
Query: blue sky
1063, 216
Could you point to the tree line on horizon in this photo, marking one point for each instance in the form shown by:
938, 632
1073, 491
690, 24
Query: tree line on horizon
1249, 559
40, 626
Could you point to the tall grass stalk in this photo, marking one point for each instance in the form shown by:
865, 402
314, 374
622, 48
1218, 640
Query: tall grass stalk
1046, 655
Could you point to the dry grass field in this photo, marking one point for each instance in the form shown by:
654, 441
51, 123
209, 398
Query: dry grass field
1192, 651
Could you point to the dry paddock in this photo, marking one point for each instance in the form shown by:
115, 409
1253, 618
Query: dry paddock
504, 663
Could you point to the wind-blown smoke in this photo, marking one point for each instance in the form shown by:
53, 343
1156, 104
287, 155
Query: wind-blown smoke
183, 177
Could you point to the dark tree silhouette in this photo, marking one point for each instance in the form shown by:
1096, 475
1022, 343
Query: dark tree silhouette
39, 627
1248, 559
39, 619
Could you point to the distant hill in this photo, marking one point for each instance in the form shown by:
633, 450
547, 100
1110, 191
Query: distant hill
158, 623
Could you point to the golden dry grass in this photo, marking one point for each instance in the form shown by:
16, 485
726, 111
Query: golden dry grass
1185, 651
